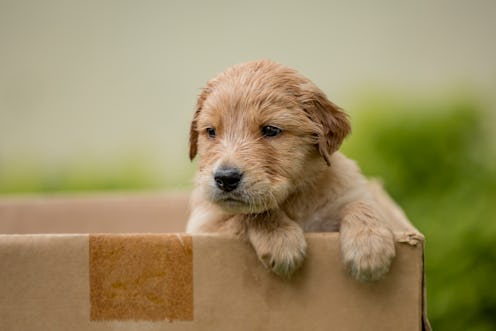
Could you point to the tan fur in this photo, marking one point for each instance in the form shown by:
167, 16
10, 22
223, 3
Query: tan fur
293, 182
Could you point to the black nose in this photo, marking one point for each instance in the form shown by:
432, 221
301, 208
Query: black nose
227, 179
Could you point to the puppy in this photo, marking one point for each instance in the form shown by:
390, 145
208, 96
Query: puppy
269, 170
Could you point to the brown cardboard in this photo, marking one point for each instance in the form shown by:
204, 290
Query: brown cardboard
179, 282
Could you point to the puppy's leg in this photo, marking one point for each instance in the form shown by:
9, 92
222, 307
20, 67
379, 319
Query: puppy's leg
278, 241
367, 245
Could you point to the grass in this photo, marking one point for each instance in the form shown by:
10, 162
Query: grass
130, 173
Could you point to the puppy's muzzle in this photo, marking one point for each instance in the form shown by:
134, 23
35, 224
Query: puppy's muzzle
228, 179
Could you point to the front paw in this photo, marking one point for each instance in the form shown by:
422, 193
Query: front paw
368, 254
281, 250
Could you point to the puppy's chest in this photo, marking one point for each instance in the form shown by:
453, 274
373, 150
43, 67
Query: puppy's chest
323, 219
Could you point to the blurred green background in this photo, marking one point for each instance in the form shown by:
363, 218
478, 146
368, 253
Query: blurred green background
97, 96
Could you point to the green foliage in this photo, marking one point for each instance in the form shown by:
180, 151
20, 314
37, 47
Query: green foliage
434, 158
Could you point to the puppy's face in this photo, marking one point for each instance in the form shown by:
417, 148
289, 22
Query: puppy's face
261, 131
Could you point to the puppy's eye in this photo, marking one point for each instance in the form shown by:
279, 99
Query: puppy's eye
271, 131
211, 132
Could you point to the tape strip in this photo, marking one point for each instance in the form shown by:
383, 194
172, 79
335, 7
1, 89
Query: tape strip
141, 277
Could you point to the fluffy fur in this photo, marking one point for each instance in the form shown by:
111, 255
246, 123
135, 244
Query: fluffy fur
292, 182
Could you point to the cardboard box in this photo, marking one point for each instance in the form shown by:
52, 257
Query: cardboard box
121, 263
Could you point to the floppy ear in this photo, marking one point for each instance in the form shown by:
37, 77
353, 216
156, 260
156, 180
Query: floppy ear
193, 131
331, 122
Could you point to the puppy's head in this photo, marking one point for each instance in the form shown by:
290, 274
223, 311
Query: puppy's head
261, 130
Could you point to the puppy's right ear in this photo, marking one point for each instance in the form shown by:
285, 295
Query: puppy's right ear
332, 124
193, 131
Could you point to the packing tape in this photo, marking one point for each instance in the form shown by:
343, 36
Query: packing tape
141, 277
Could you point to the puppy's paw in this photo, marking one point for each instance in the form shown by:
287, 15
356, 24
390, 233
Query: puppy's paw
281, 250
368, 254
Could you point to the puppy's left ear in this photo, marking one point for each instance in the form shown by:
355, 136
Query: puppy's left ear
332, 124
193, 136
193, 131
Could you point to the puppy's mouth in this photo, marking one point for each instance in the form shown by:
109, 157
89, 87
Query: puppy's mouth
229, 199
236, 202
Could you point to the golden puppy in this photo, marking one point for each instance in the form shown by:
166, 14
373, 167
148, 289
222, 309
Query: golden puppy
269, 170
